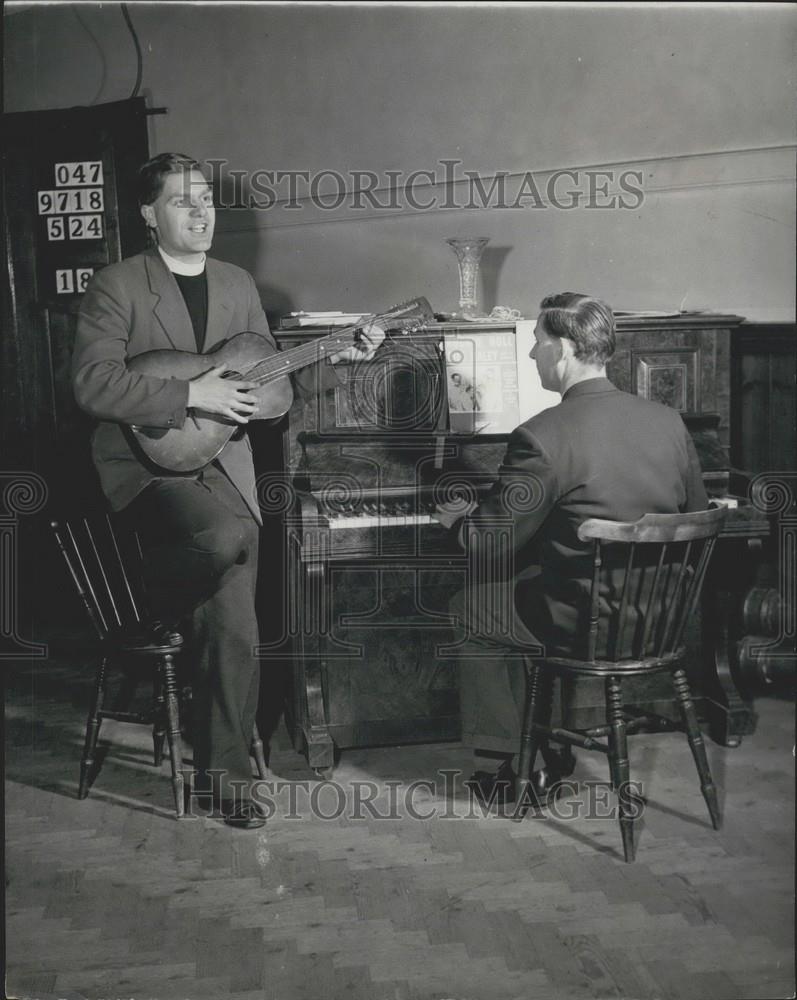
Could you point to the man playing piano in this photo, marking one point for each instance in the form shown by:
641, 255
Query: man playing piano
599, 453
201, 529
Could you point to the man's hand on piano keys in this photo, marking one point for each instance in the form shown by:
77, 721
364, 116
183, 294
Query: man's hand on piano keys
370, 336
449, 513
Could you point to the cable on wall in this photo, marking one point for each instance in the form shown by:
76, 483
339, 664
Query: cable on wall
139, 58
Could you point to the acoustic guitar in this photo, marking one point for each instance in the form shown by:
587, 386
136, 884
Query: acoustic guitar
251, 357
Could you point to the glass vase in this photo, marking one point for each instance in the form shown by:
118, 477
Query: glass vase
468, 250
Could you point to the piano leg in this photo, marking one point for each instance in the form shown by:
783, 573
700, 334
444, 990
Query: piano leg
311, 735
730, 715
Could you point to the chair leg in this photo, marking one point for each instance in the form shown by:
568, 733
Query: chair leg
619, 764
539, 687
159, 722
173, 733
698, 747
258, 753
92, 729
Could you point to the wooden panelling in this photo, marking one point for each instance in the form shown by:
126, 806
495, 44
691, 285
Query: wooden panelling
683, 361
764, 369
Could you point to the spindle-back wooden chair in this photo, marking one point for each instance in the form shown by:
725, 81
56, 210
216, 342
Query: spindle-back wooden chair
104, 563
646, 582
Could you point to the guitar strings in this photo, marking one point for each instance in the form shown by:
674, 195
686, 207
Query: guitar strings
281, 364
277, 366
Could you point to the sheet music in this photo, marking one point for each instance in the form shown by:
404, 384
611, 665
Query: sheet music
481, 381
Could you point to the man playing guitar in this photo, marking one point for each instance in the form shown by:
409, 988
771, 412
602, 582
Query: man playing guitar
200, 527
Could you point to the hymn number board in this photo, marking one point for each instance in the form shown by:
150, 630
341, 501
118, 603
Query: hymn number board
70, 207
73, 228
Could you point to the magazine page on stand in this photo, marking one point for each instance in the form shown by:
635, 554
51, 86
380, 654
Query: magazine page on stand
491, 382
481, 381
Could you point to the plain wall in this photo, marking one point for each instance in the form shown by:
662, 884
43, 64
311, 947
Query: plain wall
700, 100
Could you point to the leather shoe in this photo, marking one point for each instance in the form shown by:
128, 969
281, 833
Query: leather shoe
547, 780
245, 815
499, 788
558, 765
494, 789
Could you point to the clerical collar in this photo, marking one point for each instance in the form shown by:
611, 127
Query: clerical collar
181, 266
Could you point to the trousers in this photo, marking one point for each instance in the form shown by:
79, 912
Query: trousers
200, 562
492, 659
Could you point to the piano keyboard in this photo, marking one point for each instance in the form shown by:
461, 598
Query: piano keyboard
374, 525
378, 521
391, 513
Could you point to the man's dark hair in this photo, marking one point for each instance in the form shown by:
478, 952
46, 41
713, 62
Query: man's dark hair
587, 322
152, 174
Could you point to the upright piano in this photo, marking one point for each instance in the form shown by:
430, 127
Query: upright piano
370, 572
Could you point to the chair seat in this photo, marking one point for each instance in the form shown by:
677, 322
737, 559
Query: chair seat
621, 668
145, 640
144, 647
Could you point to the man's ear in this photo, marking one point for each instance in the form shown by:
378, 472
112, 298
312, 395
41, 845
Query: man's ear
566, 349
148, 215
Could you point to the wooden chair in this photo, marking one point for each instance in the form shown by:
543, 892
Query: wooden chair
646, 582
104, 564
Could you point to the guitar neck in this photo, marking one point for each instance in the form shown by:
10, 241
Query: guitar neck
286, 362
413, 312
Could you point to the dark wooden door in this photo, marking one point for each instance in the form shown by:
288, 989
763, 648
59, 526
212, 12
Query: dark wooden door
69, 208
69, 204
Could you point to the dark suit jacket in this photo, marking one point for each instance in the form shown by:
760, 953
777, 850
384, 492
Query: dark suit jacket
599, 453
136, 306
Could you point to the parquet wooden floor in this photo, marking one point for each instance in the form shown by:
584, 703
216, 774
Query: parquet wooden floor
113, 898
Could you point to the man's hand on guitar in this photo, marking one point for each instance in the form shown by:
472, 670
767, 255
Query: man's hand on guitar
229, 398
369, 337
